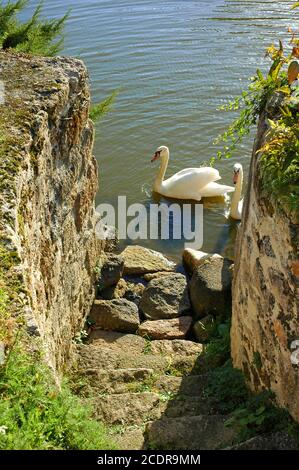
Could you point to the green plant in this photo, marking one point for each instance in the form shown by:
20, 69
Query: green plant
250, 414
279, 157
258, 415
81, 337
226, 388
148, 345
217, 351
98, 111
34, 414
37, 36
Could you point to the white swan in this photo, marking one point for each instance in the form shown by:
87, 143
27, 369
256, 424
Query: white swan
236, 207
191, 183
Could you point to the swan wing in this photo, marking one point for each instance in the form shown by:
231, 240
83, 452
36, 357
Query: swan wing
188, 184
208, 174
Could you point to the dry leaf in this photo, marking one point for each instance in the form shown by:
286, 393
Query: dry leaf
293, 71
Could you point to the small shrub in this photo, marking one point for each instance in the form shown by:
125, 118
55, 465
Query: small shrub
98, 111
259, 415
37, 36
217, 351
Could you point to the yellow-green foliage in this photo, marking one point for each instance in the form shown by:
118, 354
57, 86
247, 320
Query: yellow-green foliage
280, 160
279, 157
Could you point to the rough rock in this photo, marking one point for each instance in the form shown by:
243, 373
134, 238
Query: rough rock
119, 351
130, 439
180, 347
194, 258
115, 292
139, 261
166, 297
127, 408
191, 386
203, 328
210, 288
134, 292
117, 315
265, 320
190, 433
111, 271
176, 328
115, 341
150, 277
50, 178
271, 441
115, 380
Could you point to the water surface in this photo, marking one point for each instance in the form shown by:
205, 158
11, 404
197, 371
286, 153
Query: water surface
175, 63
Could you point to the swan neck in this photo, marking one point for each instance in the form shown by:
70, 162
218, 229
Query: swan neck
237, 195
162, 170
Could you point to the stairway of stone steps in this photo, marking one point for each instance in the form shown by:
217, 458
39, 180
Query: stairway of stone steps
150, 393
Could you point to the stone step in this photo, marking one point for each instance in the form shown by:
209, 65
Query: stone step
129, 439
116, 381
180, 358
141, 407
94, 358
127, 408
201, 432
112, 340
191, 386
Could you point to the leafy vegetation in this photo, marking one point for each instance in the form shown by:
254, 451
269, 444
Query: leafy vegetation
98, 111
35, 415
37, 36
227, 393
280, 154
251, 414
217, 351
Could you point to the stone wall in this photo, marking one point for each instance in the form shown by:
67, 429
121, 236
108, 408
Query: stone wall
265, 293
48, 183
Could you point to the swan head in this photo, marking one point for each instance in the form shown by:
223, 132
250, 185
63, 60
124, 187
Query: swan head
238, 172
161, 152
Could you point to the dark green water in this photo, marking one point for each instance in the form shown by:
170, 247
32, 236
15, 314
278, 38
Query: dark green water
175, 63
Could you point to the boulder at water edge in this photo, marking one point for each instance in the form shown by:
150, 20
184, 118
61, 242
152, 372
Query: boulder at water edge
139, 261
194, 258
210, 287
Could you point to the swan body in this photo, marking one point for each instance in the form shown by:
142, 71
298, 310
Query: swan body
236, 207
191, 183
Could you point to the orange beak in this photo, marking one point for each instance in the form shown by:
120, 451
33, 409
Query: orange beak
235, 179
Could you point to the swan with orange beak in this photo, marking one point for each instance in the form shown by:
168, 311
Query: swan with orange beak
236, 207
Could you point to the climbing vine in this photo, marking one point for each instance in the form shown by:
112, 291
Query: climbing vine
279, 157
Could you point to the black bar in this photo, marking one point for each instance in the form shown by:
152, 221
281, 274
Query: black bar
137, 459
